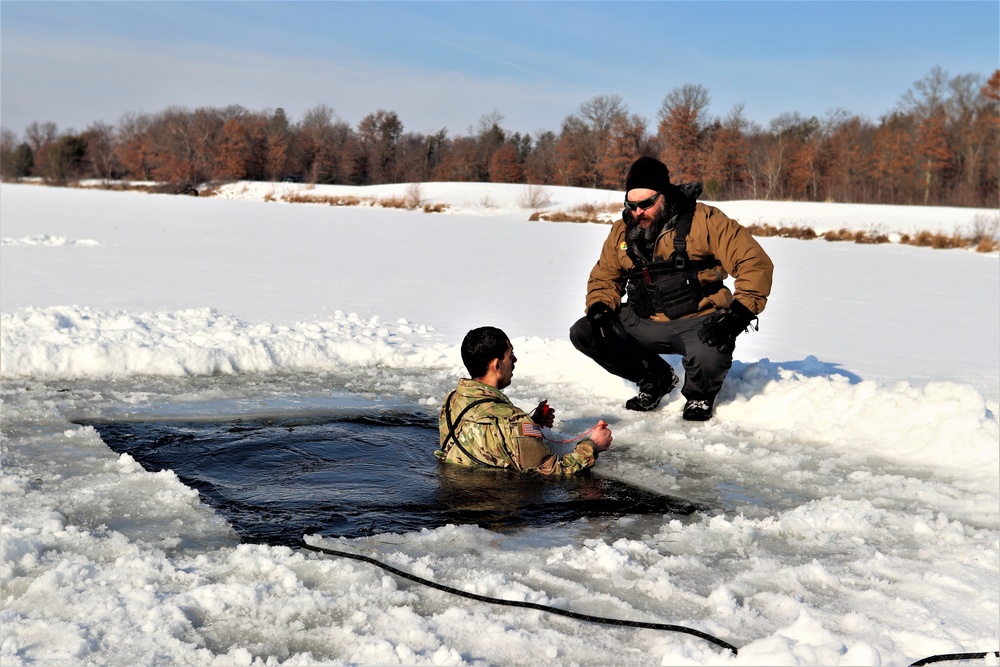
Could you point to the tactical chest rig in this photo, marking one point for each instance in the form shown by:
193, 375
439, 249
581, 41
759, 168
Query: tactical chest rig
452, 438
669, 286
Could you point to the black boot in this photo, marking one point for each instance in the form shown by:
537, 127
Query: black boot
651, 392
698, 410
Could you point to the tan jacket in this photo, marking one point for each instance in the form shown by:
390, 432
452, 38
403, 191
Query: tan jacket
713, 234
498, 434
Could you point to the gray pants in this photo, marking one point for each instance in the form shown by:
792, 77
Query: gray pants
639, 361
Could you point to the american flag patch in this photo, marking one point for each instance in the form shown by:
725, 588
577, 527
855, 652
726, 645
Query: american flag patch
531, 430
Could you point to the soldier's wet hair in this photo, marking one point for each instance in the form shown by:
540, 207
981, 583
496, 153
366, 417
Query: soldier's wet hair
480, 347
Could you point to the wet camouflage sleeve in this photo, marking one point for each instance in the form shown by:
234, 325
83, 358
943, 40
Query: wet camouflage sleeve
502, 435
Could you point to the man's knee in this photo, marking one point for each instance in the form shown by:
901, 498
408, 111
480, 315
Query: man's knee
712, 359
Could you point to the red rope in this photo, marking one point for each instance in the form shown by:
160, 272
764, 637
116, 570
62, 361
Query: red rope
576, 439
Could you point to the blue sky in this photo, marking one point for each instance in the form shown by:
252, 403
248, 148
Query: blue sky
447, 64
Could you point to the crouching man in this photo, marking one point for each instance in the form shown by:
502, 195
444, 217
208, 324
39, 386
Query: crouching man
669, 254
480, 426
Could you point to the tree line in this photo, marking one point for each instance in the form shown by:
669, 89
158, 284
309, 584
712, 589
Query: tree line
940, 145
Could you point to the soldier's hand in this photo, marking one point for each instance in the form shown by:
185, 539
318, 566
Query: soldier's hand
544, 415
601, 436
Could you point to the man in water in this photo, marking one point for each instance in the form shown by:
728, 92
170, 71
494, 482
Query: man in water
480, 426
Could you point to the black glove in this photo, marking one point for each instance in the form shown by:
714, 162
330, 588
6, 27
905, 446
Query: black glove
606, 325
721, 330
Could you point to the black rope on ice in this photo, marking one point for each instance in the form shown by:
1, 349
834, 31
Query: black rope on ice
594, 619
526, 605
954, 656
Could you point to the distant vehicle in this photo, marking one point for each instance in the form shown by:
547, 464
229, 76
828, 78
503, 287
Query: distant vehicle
293, 179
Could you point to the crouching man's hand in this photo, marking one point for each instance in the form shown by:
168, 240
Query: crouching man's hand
721, 330
606, 325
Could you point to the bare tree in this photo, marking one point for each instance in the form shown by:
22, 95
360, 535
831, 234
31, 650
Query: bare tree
38, 134
926, 101
787, 165
586, 141
101, 150
322, 142
8, 146
726, 155
379, 134
489, 139
683, 119
540, 165
974, 127
135, 150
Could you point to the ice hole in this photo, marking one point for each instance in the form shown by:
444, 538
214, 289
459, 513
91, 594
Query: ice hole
354, 472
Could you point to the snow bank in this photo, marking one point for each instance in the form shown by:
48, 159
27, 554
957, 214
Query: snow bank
823, 217
46, 240
500, 198
77, 342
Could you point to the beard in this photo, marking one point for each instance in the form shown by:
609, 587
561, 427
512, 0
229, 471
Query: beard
644, 238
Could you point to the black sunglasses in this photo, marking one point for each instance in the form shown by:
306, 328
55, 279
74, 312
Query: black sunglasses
645, 204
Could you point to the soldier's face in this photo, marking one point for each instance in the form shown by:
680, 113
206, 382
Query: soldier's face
505, 365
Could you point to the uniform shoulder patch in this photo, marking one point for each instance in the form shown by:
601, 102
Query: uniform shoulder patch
531, 430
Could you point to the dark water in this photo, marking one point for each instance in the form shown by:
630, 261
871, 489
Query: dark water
276, 479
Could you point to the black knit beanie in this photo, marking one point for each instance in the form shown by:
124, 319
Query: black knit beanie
648, 173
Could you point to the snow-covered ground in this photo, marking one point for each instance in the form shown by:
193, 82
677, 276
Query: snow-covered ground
854, 461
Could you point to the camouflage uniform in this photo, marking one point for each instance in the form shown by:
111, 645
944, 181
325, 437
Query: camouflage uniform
496, 433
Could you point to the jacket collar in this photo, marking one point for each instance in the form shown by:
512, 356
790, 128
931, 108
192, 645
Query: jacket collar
468, 387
